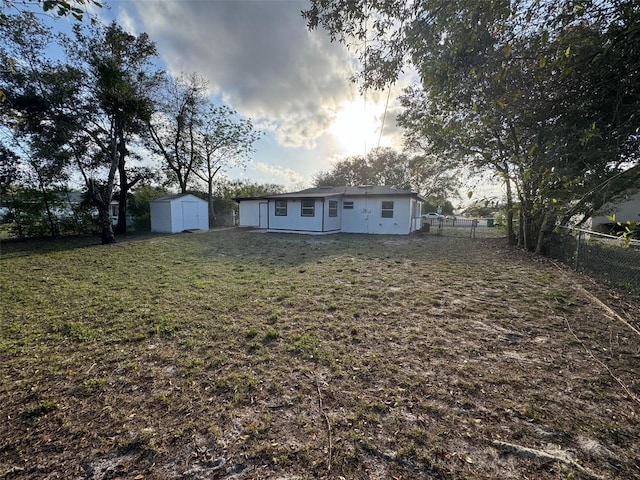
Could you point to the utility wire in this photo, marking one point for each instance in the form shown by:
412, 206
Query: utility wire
384, 116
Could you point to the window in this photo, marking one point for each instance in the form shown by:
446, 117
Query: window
333, 208
281, 208
308, 208
347, 205
387, 209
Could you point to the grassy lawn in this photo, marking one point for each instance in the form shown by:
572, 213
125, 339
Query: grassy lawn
235, 354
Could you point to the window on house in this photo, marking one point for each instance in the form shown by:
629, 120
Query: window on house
308, 208
333, 208
347, 205
387, 209
281, 208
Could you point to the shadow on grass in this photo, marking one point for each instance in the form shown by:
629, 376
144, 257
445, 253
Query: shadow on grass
37, 246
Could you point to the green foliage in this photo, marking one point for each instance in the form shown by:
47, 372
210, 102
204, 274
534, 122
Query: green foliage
139, 205
9, 164
628, 230
194, 138
230, 189
426, 175
60, 8
78, 113
25, 213
225, 190
432, 204
37, 213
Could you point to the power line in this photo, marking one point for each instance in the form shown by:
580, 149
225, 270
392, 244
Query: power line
384, 116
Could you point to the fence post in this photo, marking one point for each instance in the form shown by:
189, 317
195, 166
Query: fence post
577, 259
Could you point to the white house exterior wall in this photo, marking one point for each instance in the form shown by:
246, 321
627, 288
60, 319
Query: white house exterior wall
366, 215
416, 217
249, 211
294, 221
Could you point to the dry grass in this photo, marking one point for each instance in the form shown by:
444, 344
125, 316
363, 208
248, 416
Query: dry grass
234, 354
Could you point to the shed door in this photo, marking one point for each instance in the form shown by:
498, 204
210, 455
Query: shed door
263, 213
190, 215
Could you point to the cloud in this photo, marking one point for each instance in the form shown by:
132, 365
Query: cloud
290, 175
259, 58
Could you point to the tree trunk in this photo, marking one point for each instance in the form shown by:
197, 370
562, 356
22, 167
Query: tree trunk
545, 231
520, 242
106, 227
210, 193
183, 184
53, 227
121, 226
511, 236
102, 199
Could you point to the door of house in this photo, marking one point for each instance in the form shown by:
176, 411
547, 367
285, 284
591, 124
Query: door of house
365, 214
263, 213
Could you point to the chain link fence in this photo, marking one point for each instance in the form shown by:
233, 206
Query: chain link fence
606, 258
463, 227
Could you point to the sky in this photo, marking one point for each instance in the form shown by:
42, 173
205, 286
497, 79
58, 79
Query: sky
260, 59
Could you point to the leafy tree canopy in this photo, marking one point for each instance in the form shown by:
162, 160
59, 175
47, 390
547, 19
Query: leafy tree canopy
61, 8
427, 175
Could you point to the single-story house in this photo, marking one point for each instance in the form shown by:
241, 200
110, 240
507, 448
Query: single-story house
325, 210
177, 213
626, 208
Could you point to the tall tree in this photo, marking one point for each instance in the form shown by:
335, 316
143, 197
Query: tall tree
224, 141
173, 129
36, 91
196, 139
115, 103
84, 112
61, 8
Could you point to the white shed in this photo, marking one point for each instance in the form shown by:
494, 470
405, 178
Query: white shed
177, 213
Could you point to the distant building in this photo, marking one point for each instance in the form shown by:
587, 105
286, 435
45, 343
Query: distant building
625, 208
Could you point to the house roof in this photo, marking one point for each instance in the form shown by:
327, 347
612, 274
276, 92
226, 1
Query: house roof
323, 192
